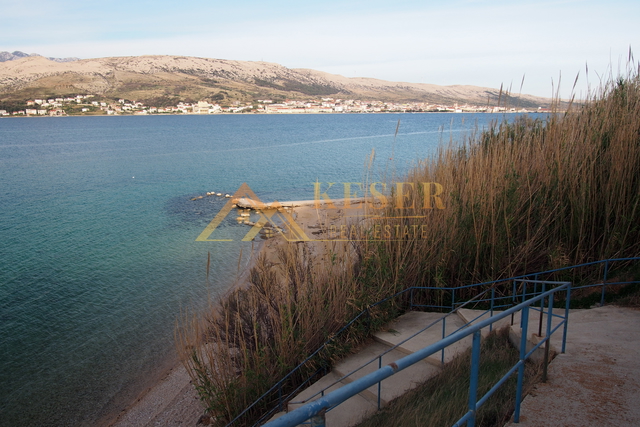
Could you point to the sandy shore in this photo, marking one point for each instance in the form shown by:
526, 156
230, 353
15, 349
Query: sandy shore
173, 400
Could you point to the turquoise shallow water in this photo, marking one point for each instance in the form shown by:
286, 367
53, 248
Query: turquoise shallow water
97, 233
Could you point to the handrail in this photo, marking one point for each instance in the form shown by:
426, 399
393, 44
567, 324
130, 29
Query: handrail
378, 357
453, 306
318, 408
435, 322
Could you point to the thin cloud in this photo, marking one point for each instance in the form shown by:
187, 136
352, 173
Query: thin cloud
460, 42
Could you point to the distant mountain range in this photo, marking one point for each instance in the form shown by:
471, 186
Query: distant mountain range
166, 80
11, 56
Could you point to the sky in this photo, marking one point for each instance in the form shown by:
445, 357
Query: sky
532, 47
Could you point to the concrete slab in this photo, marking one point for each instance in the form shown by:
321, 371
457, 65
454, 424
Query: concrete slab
348, 413
412, 322
392, 387
597, 381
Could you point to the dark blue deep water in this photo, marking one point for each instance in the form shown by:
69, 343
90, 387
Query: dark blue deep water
97, 233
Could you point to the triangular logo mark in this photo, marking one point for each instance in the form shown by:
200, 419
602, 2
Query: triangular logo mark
266, 211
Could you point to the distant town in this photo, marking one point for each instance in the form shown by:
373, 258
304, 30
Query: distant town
88, 105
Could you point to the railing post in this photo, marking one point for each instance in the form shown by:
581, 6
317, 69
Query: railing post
513, 299
566, 318
411, 299
444, 326
541, 311
475, 371
523, 352
493, 296
379, 382
547, 344
524, 285
604, 280
368, 321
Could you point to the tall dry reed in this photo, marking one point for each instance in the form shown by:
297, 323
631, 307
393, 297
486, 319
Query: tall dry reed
523, 196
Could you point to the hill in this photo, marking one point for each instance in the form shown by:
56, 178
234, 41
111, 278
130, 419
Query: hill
166, 80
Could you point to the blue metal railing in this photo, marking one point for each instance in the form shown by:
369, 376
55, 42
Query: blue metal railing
379, 357
607, 264
443, 320
496, 302
317, 409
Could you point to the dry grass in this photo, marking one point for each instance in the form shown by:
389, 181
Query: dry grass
523, 196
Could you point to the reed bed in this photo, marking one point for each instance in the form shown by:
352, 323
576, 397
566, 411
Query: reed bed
524, 196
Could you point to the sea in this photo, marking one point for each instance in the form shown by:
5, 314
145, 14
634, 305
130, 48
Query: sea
98, 254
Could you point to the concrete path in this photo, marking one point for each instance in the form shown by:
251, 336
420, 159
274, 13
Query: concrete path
597, 381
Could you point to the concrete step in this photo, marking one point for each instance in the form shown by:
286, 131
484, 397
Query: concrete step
349, 413
475, 316
412, 322
393, 386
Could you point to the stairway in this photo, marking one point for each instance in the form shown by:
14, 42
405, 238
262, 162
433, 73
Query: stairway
400, 334
364, 404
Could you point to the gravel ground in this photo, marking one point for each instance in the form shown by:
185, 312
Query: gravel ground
597, 381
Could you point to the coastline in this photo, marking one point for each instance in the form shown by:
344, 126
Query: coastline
170, 398
276, 114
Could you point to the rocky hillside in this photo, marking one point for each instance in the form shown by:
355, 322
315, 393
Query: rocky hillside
167, 79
